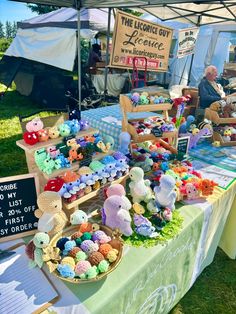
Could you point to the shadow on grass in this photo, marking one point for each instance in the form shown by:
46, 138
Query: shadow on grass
12, 104
214, 291
12, 161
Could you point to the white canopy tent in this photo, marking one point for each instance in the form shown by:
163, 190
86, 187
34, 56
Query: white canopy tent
198, 12
211, 48
38, 39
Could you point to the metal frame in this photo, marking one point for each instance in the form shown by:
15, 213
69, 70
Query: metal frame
144, 5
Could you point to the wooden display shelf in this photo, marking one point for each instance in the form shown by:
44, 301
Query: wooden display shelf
217, 137
74, 166
147, 137
32, 148
127, 106
73, 205
214, 117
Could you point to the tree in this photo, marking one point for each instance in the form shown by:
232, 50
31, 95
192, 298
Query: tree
8, 29
135, 13
41, 9
2, 34
14, 29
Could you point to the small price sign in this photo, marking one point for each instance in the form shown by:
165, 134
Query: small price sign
182, 144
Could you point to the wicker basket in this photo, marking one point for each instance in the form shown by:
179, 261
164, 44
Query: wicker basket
114, 236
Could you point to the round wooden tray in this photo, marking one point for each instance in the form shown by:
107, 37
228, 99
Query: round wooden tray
114, 236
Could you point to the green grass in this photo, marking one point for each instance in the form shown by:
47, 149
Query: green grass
214, 291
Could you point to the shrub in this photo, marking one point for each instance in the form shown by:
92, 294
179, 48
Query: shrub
4, 44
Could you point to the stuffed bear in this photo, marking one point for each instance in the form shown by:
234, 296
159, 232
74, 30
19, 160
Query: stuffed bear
52, 219
215, 106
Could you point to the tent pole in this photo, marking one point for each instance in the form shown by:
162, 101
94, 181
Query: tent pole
191, 64
79, 55
107, 50
190, 68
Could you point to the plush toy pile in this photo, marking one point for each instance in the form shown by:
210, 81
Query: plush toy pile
146, 99
189, 183
72, 149
86, 255
73, 185
87, 252
35, 131
227, 132
146, 126
225, 109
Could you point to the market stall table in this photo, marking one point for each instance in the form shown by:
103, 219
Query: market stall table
153, 280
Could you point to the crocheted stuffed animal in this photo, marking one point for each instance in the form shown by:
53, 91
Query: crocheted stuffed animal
52, 219
139, 188
34, 249
118, 189
117, 215
165, 194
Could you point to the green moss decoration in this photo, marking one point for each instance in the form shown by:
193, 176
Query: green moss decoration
170, 231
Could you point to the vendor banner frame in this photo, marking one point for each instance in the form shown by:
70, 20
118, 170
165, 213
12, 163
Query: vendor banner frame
135, 37
187, 41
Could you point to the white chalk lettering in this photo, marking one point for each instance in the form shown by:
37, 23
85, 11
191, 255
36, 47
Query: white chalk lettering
15, 203
11, 195
13, 221
8, 187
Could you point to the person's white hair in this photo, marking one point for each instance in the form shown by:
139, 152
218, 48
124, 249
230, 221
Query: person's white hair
210, 69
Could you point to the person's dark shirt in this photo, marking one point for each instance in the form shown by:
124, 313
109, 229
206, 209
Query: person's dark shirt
93, 59
235, 57
207, 93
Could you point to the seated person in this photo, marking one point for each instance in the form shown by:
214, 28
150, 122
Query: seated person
209, 90
94, 56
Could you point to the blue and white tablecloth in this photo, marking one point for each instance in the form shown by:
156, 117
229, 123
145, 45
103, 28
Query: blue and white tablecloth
224, 157
95, 116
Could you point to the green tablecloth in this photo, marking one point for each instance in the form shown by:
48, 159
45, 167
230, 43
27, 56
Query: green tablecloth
148, 279
153, 280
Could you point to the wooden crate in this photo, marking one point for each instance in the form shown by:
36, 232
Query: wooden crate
217, 137
215, 118
127, 107
147, 137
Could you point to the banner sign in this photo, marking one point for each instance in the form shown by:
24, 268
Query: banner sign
187, 40
134, 37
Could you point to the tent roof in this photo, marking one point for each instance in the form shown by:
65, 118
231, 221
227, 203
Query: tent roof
93, 19
199, 12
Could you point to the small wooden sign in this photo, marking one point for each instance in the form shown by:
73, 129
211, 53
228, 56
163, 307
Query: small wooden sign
183, 144
18, 201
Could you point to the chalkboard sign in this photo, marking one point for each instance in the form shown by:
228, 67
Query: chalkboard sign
156, 131
18, 201
182, 144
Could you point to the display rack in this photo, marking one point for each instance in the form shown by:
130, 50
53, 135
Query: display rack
69, 208
128, 107
30, 150
214, 117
